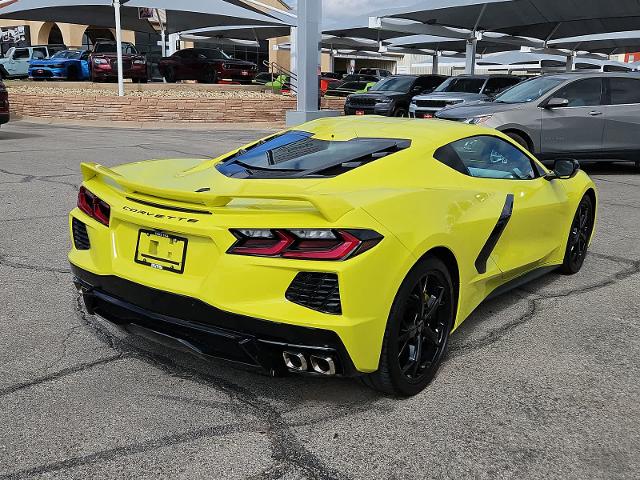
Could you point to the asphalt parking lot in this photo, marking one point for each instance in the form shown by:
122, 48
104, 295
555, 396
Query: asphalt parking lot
540, 383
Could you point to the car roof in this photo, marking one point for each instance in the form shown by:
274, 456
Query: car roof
573, 75
485, 76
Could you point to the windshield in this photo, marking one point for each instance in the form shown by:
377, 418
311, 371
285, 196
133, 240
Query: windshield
127, 48
462, 85
299, 154
71, 54
529, 90
214, 54
394, 84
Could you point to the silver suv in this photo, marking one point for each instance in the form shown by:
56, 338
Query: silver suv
591, 116
460, 89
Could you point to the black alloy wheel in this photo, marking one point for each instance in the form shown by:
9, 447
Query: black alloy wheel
579, 236
417, 331
210, 75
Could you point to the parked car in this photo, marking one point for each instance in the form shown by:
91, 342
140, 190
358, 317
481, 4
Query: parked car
208, 65
263, 78
378, 72
407, 228
351, 84
15, 63
391, 95
335, 76
4, 104
581, 115
63, 65
104, 63
460, 89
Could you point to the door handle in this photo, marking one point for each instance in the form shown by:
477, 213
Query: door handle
594, 113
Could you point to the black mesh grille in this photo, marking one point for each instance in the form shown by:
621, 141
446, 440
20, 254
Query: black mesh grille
80, 235
318, 291
363, 101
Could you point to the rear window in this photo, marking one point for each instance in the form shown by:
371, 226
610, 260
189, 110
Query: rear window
298, 154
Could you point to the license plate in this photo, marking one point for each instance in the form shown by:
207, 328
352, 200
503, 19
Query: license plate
427, 115
244, 72
359, 112
161, 251
39, 71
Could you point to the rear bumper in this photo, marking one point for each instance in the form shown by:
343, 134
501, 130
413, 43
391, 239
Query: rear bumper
203, 329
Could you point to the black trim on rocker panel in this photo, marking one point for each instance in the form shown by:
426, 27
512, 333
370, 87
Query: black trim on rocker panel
490, 244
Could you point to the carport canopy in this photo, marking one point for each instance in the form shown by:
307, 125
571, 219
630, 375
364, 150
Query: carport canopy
540, 19
607, 43
242, 32
183, 15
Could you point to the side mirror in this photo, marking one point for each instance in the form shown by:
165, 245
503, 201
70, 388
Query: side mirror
556, 102
563, 168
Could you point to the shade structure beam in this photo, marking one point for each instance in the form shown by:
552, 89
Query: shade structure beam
116, 11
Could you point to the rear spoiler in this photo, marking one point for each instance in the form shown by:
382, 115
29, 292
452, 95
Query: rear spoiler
331, 207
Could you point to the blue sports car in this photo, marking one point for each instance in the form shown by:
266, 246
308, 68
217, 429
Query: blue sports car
64, 65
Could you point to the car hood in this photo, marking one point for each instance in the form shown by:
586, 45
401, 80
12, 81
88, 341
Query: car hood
377, 95
475, 109
51, 61
465, 97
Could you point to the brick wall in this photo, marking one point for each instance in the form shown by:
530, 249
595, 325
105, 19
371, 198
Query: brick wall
157, 109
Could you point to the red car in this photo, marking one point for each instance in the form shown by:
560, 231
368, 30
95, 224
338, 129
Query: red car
103, 63
4, 104
208, 65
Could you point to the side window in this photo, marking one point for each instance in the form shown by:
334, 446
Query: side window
39, 53
582, 93
624, 90
21, 54
487, 157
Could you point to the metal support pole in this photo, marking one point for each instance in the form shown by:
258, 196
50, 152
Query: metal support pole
470, 58
116, 8
571, 62
308, 44
434, 64
308, 64
293, 57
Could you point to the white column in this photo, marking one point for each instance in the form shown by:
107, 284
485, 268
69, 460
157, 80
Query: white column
116, 8
571, 62
307, 44
308, 63
470, 59
173, 42
434, 63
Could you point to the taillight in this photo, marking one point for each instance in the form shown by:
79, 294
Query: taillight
303, 244
94, 206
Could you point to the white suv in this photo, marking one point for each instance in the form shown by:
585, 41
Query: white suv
15, 64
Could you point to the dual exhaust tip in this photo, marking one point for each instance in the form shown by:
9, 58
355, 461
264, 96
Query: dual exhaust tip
297, 361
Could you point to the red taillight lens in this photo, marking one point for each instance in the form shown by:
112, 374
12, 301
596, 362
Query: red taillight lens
303, 244
93, 206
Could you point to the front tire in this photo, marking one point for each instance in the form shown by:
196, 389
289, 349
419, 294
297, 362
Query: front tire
417, 333
400, 112
579, 235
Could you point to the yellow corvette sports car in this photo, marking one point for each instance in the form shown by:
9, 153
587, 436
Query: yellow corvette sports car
346, 246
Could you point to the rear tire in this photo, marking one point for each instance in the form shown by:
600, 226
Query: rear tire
400, 112
417, 333
579, 236
519, 139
